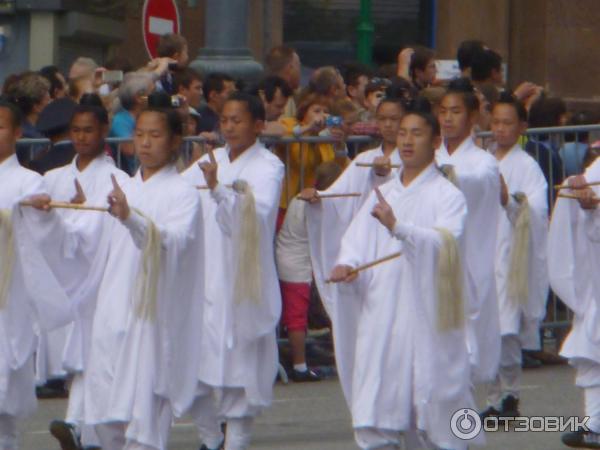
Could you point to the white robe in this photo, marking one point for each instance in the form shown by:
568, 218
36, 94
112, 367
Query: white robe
523, 174
479, 180
34, 301
404, 366
327, 222
137, 364
573, 265
238, 345
70, 247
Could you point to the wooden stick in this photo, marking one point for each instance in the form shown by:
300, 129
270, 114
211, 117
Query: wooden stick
558, 187
371, 264
62, 205
575, 197
350, 194
203, 186
393, 166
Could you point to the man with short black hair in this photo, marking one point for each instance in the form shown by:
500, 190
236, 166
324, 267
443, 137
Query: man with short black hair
217, 87
188, 83
466, 52
243, 299
275, 94
486, 67
411, 375
422, 68
356, 76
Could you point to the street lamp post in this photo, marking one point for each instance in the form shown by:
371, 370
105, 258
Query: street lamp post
365, 32
226, 41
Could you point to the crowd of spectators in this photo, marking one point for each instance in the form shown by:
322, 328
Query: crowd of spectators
335, 102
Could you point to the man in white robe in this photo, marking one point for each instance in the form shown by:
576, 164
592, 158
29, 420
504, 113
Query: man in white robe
411, 368
328, 219
147, 277
70, 246
27, 300
477, 175
243, 299
574, 264
521, 266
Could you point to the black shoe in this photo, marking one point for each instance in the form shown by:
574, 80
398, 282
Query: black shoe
306, 376
581, 439
489, 412
91, 447
510, 407
66, 434
46, 392
529, 362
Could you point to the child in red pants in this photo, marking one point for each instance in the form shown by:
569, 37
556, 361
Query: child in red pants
295, 273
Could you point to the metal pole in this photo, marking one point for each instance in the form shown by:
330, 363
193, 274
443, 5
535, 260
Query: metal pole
365, 31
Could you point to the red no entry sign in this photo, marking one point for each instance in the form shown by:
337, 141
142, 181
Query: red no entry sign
159, 17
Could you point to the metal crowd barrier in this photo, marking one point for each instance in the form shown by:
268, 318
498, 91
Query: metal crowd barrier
560, 151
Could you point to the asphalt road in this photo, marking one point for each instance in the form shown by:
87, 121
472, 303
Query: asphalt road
314, 417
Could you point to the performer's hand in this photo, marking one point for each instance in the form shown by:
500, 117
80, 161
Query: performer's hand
40, 201
343, 273
503, 191
209, 169
118, 201
577, 182
79, 197
382, 166
310, 195
383, 211
587, 199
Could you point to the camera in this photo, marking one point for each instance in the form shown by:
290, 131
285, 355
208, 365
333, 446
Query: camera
333, 121
176, 101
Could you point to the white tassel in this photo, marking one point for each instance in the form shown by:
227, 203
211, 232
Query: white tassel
449, 173
146, 285
518, 275
7, 255
248, 279
450, 304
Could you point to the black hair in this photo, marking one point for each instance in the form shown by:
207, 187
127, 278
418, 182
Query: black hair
352, 71
50, 73
420, 59
464, 88
429, 119
401, 89
507, 98
483, 63
215, 82
269, 85
580, 118
15, 112
99, 112
159, 99
253, 104
466, 52
546, 112
377, 84
172, 119
91, 99
185, 77
394, 101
